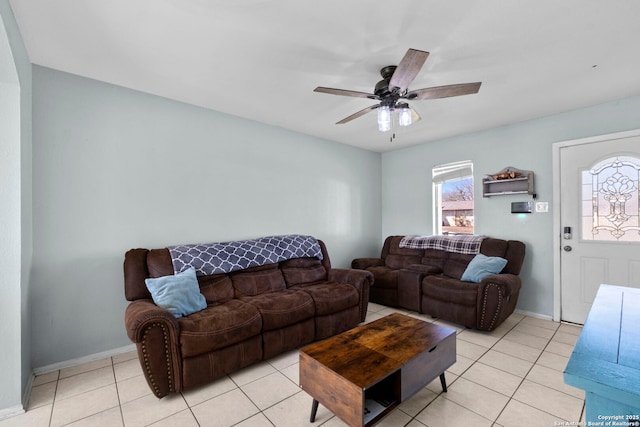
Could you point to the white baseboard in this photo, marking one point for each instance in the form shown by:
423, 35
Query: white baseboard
11, 412
85, 359
19, 409
532, 314
27, 390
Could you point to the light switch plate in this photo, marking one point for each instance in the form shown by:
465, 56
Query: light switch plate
542, 206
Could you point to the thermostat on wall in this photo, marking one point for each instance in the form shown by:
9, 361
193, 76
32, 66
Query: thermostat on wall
521, 207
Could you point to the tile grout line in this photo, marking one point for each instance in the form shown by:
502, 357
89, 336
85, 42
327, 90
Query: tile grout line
442, 393
115, 380
88, 391
521, 382
510, 397
534, 363
53, 402
529, 371
412, 418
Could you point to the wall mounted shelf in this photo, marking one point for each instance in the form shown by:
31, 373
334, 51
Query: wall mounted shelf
508, 181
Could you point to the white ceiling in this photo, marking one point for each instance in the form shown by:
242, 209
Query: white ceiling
261, 59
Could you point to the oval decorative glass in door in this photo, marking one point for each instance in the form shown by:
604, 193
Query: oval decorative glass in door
610, 200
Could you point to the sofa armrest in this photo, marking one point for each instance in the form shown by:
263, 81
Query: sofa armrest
157, 336
497, 298
360, 279
364, 263
140, 313
410, 285
508, 283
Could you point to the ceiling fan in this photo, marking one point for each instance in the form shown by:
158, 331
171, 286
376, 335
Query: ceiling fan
393, 90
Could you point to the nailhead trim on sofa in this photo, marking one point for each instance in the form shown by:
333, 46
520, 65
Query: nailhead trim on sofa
484, 306
152, 380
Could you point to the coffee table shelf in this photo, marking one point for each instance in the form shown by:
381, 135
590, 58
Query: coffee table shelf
363, 374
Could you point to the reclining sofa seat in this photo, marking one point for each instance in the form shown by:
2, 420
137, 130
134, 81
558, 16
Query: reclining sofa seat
428, 281
386, 271
251, 315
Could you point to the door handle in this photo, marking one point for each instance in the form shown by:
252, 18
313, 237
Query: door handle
567, 248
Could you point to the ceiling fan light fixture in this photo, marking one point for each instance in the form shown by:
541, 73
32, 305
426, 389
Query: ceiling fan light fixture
384, 118
392, 92
404, 115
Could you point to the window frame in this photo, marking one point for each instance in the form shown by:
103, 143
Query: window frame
441, 174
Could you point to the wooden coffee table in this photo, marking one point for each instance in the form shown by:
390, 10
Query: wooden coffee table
363, 374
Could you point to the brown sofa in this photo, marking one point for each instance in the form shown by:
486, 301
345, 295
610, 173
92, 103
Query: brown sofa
428, 281
251, 315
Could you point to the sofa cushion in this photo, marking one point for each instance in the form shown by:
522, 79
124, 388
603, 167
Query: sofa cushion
283, 308
434, 258
482, 266
395, 249
443, 288
159, 263
330, 298
257, 280
456, 264
179, 293
218, 327
515, 256
396, 261
384, 277
217, 289
303, 271
396, 257
494, 247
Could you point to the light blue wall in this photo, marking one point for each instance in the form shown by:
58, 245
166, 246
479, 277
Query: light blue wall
407, 190
116, 169
15, 212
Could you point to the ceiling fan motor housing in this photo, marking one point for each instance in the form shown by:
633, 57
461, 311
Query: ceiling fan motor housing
387, 72
382, 87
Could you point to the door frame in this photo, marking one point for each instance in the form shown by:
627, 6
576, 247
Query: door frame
557, 235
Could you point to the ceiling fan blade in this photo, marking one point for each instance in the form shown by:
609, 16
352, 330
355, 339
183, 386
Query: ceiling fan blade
344, 92
358, 114
408, 69
444, 91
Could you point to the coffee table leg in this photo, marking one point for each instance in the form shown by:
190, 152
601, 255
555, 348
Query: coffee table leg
443, 381
314, 409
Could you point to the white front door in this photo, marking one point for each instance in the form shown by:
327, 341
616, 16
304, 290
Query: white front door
599, 219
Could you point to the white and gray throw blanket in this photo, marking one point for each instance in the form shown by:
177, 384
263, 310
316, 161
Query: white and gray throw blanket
225, 257
462, 244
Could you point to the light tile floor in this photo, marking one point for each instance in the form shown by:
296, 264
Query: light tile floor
509, 377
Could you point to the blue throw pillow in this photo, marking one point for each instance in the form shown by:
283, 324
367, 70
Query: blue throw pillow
482, 266
180, 293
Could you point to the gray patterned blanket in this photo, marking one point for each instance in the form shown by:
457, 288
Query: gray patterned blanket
462, 244
225, 257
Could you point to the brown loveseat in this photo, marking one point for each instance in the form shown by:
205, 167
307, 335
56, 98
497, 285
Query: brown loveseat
428, 281
250, 315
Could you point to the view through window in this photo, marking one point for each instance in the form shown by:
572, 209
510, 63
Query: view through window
453, 194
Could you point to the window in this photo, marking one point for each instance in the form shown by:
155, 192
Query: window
453, 198
610, 200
